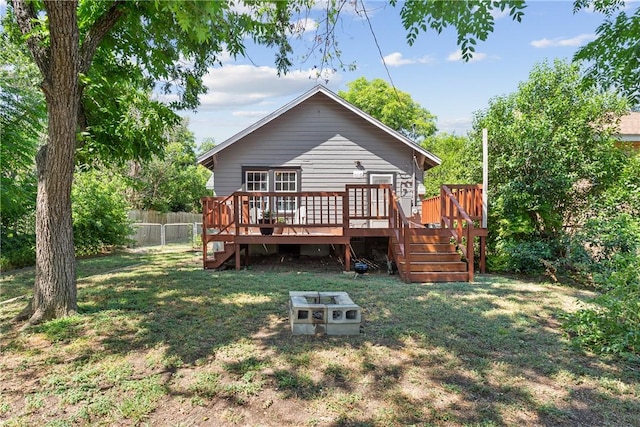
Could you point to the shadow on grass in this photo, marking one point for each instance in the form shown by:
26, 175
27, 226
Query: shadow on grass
445, 353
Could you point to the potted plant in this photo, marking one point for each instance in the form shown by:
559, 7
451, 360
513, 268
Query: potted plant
267, 218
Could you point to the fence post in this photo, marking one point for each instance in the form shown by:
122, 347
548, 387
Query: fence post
162, 235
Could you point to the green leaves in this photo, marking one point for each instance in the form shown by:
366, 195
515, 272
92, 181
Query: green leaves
392, 107
473, 20
613, 58
551, 150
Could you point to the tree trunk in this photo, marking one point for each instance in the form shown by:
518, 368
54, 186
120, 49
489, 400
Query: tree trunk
55, 292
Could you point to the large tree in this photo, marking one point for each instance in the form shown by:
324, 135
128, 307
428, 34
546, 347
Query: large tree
170, 41
553, 149
391, 106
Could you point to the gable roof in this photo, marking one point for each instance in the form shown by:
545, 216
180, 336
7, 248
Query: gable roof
206, 159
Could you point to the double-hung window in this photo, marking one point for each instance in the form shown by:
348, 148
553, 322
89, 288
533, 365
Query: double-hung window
286, 182
257, 181
272, 180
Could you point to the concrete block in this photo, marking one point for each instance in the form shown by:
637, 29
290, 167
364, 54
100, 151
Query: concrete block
344, 314
343, 329
331, 313
308, 329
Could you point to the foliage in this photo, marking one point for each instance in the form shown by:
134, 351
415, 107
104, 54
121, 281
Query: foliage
392, 107
22, 118
473, 20
18, 249
607, 250
552, 151
99, 211
450, 149
611, 324
173, 182
612, 58
206, 145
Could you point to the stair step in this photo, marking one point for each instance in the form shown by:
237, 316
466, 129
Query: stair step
430, 247
433, 257
417, 267
432, 277
429, 239
220, 257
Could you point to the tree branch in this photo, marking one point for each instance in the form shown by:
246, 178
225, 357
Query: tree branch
97, 32
25, 16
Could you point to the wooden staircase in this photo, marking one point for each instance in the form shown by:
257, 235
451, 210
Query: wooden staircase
431, 257
219, 257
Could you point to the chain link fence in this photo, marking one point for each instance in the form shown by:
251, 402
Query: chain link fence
157, 229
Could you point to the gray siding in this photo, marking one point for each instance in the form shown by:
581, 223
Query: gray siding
325, 140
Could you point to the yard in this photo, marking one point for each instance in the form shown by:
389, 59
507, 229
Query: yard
160, 341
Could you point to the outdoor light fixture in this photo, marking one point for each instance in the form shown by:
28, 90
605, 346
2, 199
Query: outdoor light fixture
359, 170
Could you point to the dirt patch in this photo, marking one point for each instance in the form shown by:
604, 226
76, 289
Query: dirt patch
302, 263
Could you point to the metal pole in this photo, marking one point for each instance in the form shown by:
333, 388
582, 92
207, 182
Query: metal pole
485, 175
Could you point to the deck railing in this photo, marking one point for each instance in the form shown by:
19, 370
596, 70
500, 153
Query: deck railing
357, 206
469, 198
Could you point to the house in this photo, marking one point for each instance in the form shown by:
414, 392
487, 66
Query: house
328, 174
319, 142
630, 129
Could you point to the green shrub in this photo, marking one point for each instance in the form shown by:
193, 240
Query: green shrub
99, 212
612, 324
525, 256
18, 250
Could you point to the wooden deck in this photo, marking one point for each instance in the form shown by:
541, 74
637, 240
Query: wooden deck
232, 223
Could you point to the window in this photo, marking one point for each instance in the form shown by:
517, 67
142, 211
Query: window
272, 180
286, 181
257, 180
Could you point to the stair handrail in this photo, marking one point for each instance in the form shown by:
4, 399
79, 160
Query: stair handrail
399, 224
214, 212
453, 214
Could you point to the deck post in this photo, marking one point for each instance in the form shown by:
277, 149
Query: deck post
236, 248
205, 206
483, 259
345, 229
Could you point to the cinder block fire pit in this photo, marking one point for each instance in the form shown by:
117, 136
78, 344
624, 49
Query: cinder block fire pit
324, 313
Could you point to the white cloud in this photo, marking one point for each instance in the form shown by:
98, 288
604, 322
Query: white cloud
396, 59
477, 56
233, 86
563, 41
457, 125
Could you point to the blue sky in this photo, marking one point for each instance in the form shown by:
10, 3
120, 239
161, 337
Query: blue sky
244, 90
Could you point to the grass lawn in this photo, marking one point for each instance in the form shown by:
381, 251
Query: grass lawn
159, 341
